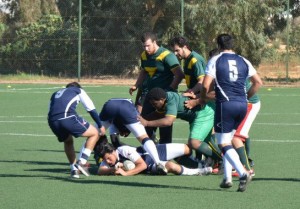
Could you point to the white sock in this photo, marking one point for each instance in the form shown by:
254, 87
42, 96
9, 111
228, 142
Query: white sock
227, 170
72, 166
81, 150
189, 171
150, 147
85, 155
234, 159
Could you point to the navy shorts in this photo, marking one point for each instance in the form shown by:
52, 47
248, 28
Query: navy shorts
74, 125
162, 154
121, 109
229, 115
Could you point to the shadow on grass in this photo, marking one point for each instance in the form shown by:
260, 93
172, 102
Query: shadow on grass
277, 179
33, 162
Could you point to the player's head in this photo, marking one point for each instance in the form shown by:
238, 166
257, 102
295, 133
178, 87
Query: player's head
180, 46
149, 41
98, 147
108, 154
157, 98
73, 84
225, 42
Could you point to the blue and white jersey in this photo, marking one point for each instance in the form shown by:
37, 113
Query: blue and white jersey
230, 72
63, 103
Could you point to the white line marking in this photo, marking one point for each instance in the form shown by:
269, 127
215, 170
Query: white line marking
174, 139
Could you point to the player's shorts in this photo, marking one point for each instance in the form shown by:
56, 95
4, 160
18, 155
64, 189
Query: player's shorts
229, 115
243, 129
73, 125
165, 152
202, 125
124, 109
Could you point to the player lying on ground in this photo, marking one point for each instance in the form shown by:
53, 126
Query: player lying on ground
113, 160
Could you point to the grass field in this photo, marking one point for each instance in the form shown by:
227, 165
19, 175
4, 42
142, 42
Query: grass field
34, 172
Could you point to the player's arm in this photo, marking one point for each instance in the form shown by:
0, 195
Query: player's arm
206, 93
178, 76
139, 81
90, 108
140, 166
168, 120
256, 84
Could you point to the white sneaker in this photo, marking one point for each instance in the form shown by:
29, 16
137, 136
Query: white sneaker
161, 169
205, 171
82, 168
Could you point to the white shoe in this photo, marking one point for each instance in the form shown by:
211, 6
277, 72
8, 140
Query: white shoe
161, 169
205, 171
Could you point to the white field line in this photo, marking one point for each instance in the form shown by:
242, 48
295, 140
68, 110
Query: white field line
178, 122
130, 137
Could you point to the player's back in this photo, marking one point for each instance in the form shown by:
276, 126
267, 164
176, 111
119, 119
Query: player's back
231, 74
63, 103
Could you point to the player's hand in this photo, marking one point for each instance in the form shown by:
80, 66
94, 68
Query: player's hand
120, 171
189, 94
142, 120
190, 104
102, 131
132, 89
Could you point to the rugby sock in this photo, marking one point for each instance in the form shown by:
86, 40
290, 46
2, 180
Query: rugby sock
243, 157
247, 146
231, 155
205, 149
85, 156
227, 170
72, 166
150, 147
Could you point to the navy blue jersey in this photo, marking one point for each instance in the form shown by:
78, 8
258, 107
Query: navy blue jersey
63, 103
230, 72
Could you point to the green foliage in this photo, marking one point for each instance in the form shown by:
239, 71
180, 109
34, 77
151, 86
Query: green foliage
42, 47
42, 35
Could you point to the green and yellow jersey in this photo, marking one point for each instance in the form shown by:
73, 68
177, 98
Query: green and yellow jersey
159, 68
194, 68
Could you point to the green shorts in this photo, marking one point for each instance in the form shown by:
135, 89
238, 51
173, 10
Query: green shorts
201, 126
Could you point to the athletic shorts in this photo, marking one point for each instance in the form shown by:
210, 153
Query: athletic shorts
201, 126
73, 125
229, 115
243, 129
165, 152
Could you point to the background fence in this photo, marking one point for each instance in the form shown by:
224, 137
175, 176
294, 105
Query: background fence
46, 40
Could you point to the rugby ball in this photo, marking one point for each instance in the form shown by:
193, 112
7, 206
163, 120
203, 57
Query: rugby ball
128, 165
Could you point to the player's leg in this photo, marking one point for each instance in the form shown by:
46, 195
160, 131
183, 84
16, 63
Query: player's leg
138, 130
200, 131
63, 135
181, 170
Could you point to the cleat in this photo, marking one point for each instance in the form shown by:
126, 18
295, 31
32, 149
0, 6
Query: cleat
161, 169
225, 184
205, 171
236, 174
252, 173
218, 169
82, 168
244, 181
75, 174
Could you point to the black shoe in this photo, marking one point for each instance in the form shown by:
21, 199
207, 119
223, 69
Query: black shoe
244, 181
226, 184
